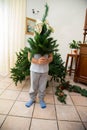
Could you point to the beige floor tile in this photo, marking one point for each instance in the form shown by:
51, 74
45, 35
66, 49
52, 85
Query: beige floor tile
82, 112
2, 117
16, 123
49, 77
79, 100
1, 90
2, 77
24, 96
51, 84
14, 87
47, 113
85, 124
84, 86
19, 109
67, 113
49, 98
72, 82
26, 87
27, 82
68, 77
68, 101
38, 124
64, 125
74, 94
46, 118
66, 92
5, 106
54, 89
18, 87
21, 84
9, 94
49, 90
54, 83
8, 80
3, 85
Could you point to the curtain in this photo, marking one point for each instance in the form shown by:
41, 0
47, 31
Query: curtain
12, 32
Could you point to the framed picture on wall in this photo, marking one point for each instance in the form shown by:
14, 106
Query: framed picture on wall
30, 24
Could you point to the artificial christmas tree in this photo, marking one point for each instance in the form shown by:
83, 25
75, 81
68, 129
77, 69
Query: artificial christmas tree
22, 65
42, 43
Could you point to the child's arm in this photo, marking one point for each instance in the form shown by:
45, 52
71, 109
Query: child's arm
33, 59
41, 60
50, 58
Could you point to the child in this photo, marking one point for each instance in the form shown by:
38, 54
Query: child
39, 75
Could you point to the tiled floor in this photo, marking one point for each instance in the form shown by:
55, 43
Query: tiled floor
57, 116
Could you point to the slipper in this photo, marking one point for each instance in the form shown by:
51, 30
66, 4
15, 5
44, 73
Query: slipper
42, 104
29, 103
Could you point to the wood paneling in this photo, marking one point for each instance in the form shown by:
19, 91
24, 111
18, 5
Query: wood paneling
81, 65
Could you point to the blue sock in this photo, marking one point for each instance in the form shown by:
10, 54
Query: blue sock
42, 104
29, 103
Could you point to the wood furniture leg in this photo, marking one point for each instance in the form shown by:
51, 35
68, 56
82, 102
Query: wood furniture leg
71, 66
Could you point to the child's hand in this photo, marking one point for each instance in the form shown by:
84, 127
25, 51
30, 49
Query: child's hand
43, 60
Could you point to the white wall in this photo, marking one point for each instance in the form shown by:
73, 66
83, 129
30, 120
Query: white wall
65, 16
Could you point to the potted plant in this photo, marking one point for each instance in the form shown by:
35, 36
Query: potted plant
74, 46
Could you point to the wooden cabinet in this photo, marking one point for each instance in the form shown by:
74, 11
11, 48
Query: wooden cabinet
81, 65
